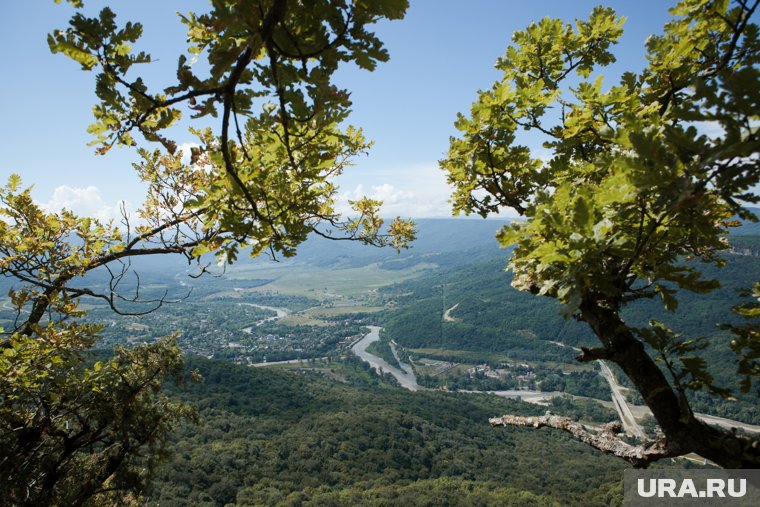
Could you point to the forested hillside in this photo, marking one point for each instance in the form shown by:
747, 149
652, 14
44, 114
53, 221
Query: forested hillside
492, 319
340, 435
493, 313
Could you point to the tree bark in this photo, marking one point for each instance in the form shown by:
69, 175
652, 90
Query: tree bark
683, 432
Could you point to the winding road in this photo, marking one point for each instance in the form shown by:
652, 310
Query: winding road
447, 314
9, 306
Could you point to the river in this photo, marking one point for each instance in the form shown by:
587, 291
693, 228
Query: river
281, 312
407, 379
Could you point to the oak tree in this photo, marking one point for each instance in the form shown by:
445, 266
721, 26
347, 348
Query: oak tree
643, 180
271, 136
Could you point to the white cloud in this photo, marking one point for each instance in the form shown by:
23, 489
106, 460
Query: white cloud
418, 191
84, 202
415, 191
389, 195
185, 149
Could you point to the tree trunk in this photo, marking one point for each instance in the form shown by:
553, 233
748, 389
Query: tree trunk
683, 432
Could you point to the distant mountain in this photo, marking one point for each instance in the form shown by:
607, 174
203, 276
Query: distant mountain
439, 240
748, 228
435, 237
442, 241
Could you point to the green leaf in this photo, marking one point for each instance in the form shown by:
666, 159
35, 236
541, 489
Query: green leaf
668, 298
14, 181
508, 235
59, 44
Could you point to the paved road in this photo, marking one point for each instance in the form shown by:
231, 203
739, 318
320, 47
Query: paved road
627, 411
289, 361
407, 379
643, 411
630, 425
727, 423
8, 306
537, 397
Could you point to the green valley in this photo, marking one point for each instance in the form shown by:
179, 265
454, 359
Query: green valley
246, 320
323, 428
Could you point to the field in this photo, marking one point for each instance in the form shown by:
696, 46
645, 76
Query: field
349, 287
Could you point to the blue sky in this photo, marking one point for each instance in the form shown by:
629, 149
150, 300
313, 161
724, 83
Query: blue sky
441, 54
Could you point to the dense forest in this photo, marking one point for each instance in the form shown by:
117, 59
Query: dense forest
340, 434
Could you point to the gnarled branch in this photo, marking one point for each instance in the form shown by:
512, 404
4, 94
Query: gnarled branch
606, 439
